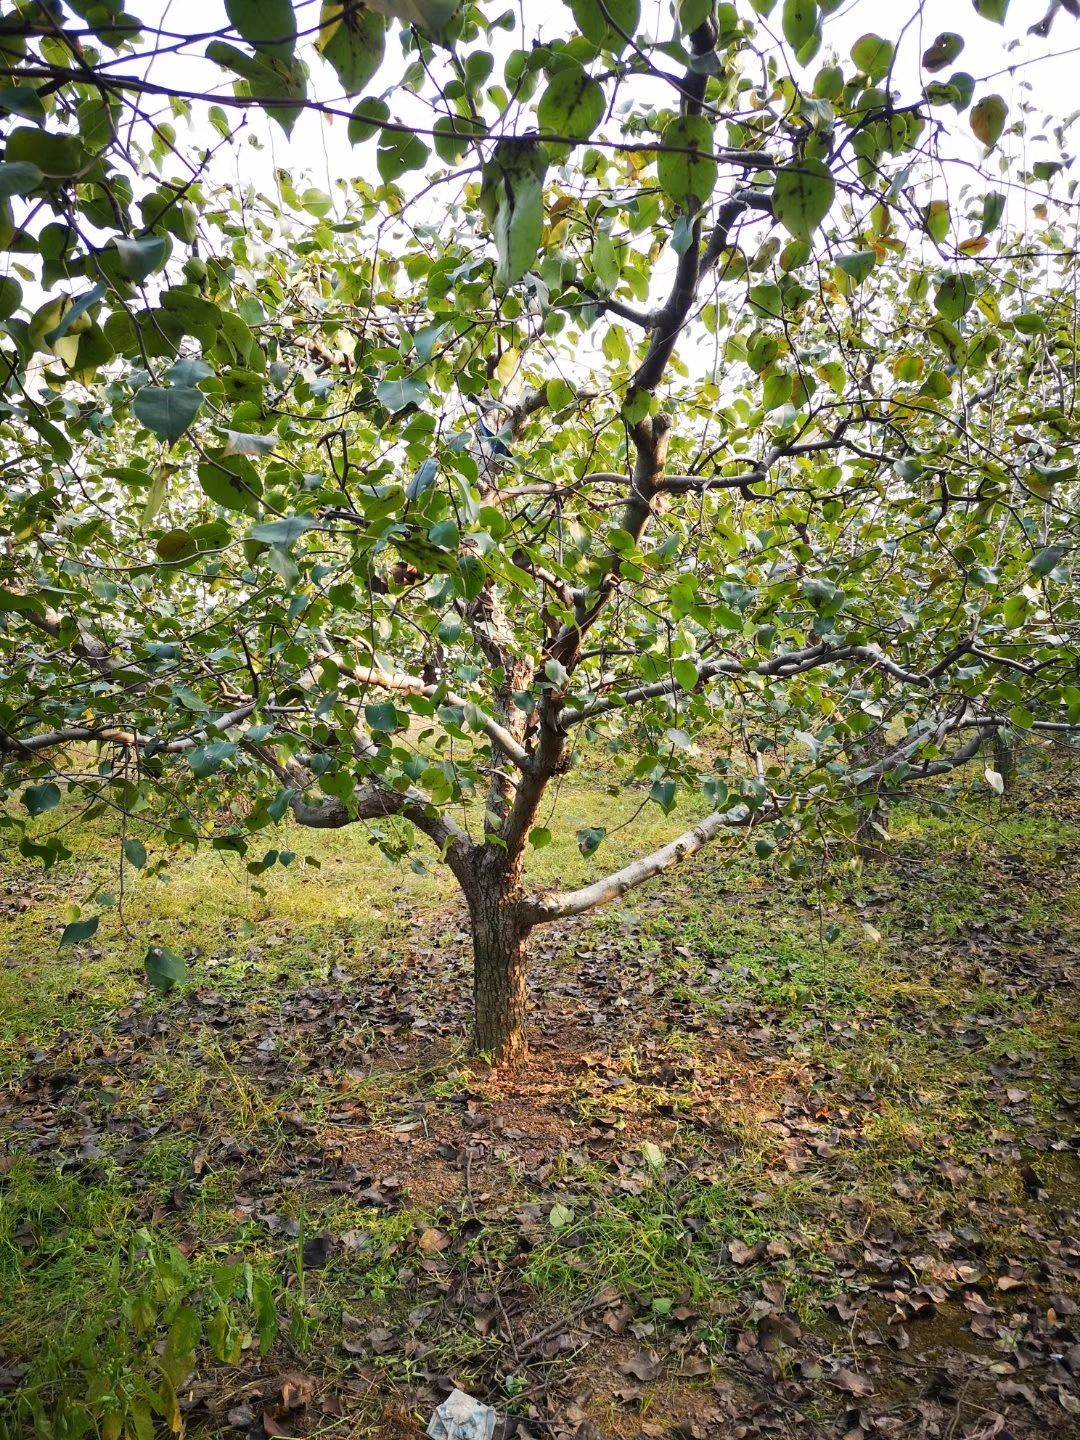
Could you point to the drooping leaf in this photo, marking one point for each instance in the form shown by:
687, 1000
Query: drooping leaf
873, 55
399, 394
141, 256
988, 119
231, 481
19, 178
430, 16
800, 25
608, 25
278, 83
994, 10
954, 297
352, 37
52, 154
79, 931
283, 532
1048, 559
686, 167
268, 25
802, 196
572, 105
512, 199
39, 798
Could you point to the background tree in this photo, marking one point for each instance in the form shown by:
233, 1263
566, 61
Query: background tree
670, 392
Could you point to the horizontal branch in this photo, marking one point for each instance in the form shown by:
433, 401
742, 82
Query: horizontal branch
114, 735
559, 904
780, 667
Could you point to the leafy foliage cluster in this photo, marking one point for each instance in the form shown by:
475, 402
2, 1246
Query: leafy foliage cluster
677, 394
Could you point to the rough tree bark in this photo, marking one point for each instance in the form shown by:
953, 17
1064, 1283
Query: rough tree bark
500, 973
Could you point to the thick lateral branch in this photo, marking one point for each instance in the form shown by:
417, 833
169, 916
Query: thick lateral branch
559, 904
781, 667
113, 735
372, 801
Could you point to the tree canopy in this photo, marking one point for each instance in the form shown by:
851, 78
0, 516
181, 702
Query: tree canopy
673, 384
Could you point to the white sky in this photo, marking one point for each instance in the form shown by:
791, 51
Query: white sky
1046, 72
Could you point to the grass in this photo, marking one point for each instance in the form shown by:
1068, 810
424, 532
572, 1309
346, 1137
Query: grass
813, 1054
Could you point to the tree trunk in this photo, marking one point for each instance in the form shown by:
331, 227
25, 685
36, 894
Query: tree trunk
1005, 760
500, 975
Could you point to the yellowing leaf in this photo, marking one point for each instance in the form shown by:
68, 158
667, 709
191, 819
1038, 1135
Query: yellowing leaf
988, 119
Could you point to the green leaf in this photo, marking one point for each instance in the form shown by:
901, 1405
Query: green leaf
79, 931
400, 151
686, 674
858, 265
512, 199
800, 23
176, 545
572, 105
560, 1216
685, 167
873, 55
453, 135
937, 220
993, 207
431, 16
168, 413
954, 297
19, 178
352, 38
268, 25
369, 116
992, 10
231, 481
398, 394
56, 156
988, 119
279, 84
605, 261
1048, 559
142, 256
208, 759
39, 798
164, 969
777, 390
766, 300
802, 196
283, 532
607, 24
945, 49
382, 718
